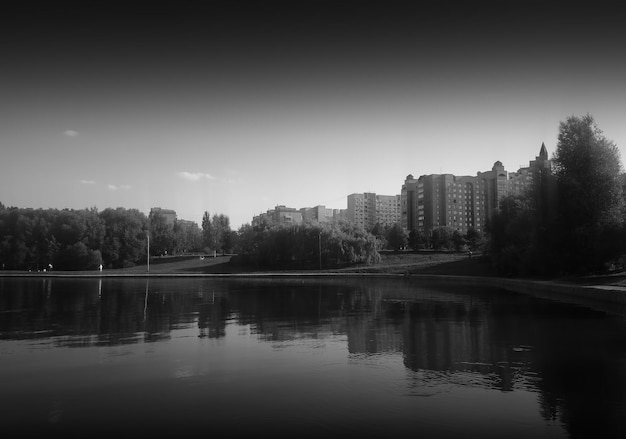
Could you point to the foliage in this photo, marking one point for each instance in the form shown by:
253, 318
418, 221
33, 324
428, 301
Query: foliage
77, 257
207, 230
510, 232
458, 241
397, 237
125, 243
162, 239
307, 245
417, 240
474, 239
570, 221
187, 237
216, 232
587, 168
34, 239
442, 238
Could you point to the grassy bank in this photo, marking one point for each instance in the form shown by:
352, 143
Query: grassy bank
437, 263
395, 263
406, 263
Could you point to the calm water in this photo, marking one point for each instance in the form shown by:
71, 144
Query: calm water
341, 358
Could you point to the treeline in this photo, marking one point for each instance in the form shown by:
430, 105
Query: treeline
441, 238
67, 239
331, 245
572, 220
305, 246
38, 239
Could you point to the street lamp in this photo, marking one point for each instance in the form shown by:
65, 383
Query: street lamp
320, 248
148, 252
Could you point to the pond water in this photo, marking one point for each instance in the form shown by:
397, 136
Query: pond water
304, 358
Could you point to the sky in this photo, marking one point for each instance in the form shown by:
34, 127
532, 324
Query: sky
238, 110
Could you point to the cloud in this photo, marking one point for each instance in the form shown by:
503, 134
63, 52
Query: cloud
71, 133
195, 176
115, 187
88, 182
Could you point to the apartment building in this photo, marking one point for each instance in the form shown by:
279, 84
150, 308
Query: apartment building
368, 209
464, 202
168, 214
318, 213
278, 215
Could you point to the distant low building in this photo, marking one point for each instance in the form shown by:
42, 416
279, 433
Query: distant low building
318, 213
278, 215
168, 214
289, 215
186, 224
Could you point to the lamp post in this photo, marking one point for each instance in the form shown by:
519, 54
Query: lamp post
148, 252
320, 248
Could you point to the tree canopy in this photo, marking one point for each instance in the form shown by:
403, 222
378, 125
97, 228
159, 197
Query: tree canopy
570, 221
307, 245
587, 167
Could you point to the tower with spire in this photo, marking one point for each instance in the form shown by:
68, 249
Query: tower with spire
541, 162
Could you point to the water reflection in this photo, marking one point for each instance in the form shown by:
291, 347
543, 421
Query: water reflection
338, 354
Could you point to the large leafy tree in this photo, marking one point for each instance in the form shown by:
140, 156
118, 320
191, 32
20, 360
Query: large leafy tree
125, 237
188, 238
207, 230
397, 237
442, 238
587, 167
216, 232
510, 235
221, 232
162, 237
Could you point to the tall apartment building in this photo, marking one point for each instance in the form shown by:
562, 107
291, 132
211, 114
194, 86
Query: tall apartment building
368, 209
464, 202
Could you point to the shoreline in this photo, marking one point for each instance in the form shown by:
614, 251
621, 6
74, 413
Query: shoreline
610, 298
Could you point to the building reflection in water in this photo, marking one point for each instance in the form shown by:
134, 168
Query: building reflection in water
573, 357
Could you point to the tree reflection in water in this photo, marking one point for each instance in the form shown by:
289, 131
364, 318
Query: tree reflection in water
446, 336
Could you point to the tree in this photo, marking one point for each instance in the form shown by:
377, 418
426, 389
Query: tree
474, 239
417, 240
216, 232
397, 237
587, 167
207, 230
298, 246
458, 240
187, 237
161, 234
221, 232
510, 235
442, 238
125, 237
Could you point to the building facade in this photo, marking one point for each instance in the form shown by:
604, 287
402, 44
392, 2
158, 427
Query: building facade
289, 215
278, 215
168, 214
368, 209
318, 213
464, 202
